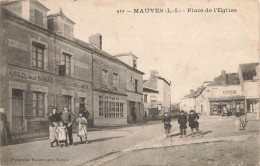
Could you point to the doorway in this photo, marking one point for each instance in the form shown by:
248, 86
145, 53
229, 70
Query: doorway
17, 111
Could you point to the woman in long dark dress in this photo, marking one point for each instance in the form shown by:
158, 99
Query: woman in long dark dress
4, 130
54, 118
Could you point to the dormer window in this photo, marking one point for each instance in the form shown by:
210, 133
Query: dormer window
38, 17
67, 30
134, 64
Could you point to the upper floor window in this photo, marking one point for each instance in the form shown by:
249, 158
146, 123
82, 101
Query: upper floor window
134, 64
136, 85
66, 59
145, 98
38, 17
104, 77
115, 81
38, 55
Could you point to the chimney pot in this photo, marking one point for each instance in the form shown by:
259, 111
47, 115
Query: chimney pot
96, 40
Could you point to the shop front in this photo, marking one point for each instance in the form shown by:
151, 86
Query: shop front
232, 105
33, 94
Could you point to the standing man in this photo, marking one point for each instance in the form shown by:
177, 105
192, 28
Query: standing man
68, 119
182, 120
193, 122
85, 113
134, 116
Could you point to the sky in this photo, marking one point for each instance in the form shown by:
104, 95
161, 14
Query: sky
186, 48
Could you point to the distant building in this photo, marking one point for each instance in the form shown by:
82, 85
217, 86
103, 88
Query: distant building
159, 91
249, 76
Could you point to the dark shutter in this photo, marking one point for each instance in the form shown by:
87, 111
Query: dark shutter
28, 104
50, 102
76, 108
60, 103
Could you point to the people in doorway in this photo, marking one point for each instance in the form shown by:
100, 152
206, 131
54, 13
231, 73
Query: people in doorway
182, 120
145, 117
54, 119
84, 112
193, 122
4, 129
224, 113
82, 127
62, 134
167, 124
68, 119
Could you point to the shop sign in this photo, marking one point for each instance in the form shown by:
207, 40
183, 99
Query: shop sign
229, 92
45, 79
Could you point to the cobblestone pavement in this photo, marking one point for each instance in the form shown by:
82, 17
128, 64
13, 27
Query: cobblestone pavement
111, 144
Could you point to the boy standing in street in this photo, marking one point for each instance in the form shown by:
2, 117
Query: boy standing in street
167, 124
182, 120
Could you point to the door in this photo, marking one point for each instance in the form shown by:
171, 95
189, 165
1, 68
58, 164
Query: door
17, 111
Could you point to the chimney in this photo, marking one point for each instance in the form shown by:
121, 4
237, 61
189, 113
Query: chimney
153, 73
96, 40
224, 77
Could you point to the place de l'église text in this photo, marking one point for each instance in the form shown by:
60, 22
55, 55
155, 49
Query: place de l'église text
178, 10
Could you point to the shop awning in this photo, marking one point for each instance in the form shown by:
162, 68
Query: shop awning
227, 98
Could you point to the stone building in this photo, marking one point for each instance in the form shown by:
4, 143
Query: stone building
134, 87
163, 86
44, 66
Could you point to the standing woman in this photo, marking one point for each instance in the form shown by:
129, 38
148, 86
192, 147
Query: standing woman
54, 118
5, 136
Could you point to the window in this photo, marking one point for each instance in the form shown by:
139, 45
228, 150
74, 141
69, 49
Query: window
134, 64
145, 98
115, 81
67, 29
67, 102
38, 104
38, 17
38, 55
136, 85
110, 107
104, 77
66, 59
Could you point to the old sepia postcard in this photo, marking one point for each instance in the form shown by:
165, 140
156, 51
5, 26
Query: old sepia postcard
129, 83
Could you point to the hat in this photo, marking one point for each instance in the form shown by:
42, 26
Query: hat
165, 112
182, 111
192, 111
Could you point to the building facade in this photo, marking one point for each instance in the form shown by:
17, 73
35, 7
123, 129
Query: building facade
134, 87
44, 66
163, 86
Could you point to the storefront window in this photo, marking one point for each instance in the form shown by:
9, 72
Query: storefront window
38, 104
110, 108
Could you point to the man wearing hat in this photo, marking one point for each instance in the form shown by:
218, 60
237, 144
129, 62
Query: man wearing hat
167, 124
182, 120
193, 122
68, 119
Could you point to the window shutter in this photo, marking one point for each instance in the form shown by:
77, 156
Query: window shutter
72, 66
76, 108
60, 103
28, 104
45, 57
50, 102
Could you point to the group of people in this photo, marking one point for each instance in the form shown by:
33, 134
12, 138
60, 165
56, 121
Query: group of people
182, 120
61, 126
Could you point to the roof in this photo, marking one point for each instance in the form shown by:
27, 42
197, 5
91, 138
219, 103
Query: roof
196, 93
101, 52
161, 78
231, 79
126, 54
248, 70
146, 89
11, 2
60, 13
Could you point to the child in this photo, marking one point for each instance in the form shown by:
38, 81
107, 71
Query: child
82, 127
62, 134
193, 122
167, 125
182, 120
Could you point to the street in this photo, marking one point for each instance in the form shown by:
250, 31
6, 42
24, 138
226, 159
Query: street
147, 145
